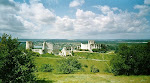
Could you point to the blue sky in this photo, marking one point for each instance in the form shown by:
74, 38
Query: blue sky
76, 19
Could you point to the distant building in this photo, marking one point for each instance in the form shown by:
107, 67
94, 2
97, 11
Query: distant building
91, 45
46, 48
66, 51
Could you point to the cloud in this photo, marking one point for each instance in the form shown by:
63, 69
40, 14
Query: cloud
146, 1
37, 13
64, 24
76, 3
109, 22
8, 20
143, 9
33, 20
7, 3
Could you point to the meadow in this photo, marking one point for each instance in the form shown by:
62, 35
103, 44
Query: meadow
84, 75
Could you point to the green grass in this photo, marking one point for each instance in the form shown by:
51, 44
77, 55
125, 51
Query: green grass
39, 61
49, 55
84, 75
100, 56
91, 78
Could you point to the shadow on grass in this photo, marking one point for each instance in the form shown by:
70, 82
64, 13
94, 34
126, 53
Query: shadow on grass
44, 81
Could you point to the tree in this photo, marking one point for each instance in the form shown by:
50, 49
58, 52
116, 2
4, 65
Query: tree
16, 66
68, 65
131, 60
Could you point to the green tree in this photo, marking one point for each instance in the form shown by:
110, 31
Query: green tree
131, 60
16, 66
68, 65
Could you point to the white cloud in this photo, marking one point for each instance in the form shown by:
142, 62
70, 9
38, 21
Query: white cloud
37, 13
35, 21
76, 3
104, 9
80, 14
64, 24
108, 22
8, 21
146, 1
143, 9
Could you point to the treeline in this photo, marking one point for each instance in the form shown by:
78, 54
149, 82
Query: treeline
132, 60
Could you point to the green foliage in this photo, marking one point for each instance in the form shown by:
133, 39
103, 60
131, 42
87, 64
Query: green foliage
68, 65
133, 60
86, 66
94, 69
87, 55
72, 53
80, 49
86, 50
46, 68
16, 66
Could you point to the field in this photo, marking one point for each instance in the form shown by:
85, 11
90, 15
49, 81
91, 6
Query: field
100, 61
90, 78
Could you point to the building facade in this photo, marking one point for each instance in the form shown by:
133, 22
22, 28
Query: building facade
91, 45
45, 48
66, 51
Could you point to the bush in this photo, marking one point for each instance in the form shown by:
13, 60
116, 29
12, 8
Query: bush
68, 65
85, 65
46, 68
16, 66
86, 50
80, 49
94, 69
131, 60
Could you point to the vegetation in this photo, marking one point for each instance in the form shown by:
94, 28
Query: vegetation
68, 65
49, 55
132, 60
46, 68
16, 65
100, 56
94, 69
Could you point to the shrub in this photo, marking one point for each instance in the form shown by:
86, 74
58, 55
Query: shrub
68, 65
46, 68
85, 65
16, 65
86, 50
94, 69
80, 49
131, 60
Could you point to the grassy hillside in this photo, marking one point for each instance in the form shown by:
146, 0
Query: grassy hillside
90, 78
100, 61
53, 61
100, 56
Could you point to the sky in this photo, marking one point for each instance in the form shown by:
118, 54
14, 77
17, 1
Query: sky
75, 19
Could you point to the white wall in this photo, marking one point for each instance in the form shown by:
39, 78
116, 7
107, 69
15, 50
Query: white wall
84, 46
38, 50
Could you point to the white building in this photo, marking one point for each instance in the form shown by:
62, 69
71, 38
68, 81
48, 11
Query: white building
66, 51
46, 48
91, 45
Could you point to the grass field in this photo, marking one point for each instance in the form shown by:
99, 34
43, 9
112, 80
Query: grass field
100, 56
101, 61
90, 78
